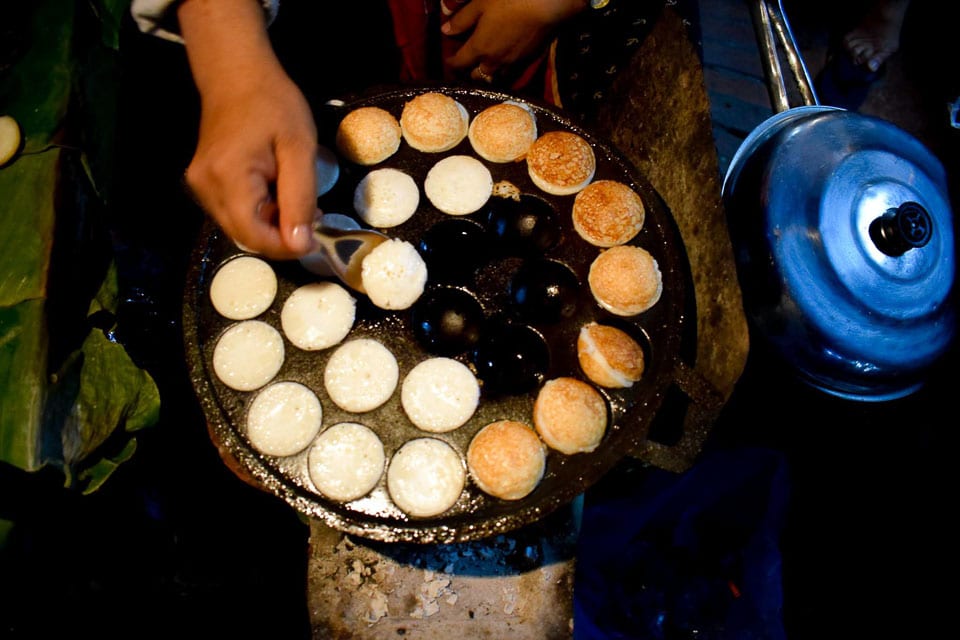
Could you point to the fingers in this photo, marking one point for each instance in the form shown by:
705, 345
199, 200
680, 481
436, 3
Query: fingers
297, 195
242, 207
469, 61
464, 17
481, 74
260, 187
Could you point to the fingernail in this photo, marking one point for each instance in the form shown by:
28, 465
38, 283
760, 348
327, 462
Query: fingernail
445, 28
301, 237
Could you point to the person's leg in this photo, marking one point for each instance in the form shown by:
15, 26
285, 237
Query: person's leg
863, 40
877, 36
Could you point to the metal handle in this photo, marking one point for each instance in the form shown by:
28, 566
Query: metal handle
773, 32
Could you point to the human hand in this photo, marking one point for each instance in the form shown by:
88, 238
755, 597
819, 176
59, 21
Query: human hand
254, 143
254, 168
504, 33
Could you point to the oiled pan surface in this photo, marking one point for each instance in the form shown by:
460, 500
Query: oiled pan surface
475, 514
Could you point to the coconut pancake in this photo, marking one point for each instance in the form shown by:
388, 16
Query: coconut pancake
318, 315
425, 477
283, 419
386, 197
243, 288
440, 394
394, 274
609, 356
561, 163
368, 135
433, 122
607, 213
346, 461
506, 459
503, 132
248, 355
361, 375
458, 185
625, 280
570, 415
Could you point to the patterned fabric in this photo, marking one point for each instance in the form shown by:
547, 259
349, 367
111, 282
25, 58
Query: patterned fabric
158, 17
416, 30
591, 49
574, 73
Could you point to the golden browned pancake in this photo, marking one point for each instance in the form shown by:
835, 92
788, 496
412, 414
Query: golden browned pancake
625, 280
561, 163
433, 122
609, 356
368, 135
570, 415
506, 459
503, 132
607, 213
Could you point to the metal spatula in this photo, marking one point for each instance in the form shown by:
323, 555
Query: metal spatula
344, 250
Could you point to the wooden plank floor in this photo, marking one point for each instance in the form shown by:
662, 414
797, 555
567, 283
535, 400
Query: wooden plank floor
739, 100
738, 91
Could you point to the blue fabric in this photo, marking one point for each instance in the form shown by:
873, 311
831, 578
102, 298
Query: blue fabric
841, 83
694, 555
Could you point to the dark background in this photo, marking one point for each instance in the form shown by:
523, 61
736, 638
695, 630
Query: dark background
855, 497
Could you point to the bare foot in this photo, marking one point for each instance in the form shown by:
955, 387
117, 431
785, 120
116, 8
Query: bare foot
877, 36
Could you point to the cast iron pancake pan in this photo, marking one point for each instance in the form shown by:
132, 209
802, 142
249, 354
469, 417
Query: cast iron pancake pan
475, 515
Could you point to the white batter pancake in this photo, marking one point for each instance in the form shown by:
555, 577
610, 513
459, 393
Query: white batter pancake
283, 419
243, 288
386, 197
425, 477
394, 274
318, 315
248, 355
458, 185
440, 394
346, 461
361, 375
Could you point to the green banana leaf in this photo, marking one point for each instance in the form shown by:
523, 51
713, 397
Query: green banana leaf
23, 357
77, 406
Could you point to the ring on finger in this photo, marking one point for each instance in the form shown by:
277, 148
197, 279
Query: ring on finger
483, 75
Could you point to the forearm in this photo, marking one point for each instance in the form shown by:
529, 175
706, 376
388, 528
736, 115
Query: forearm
227, 44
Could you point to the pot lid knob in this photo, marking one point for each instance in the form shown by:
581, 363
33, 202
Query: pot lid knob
909, 226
